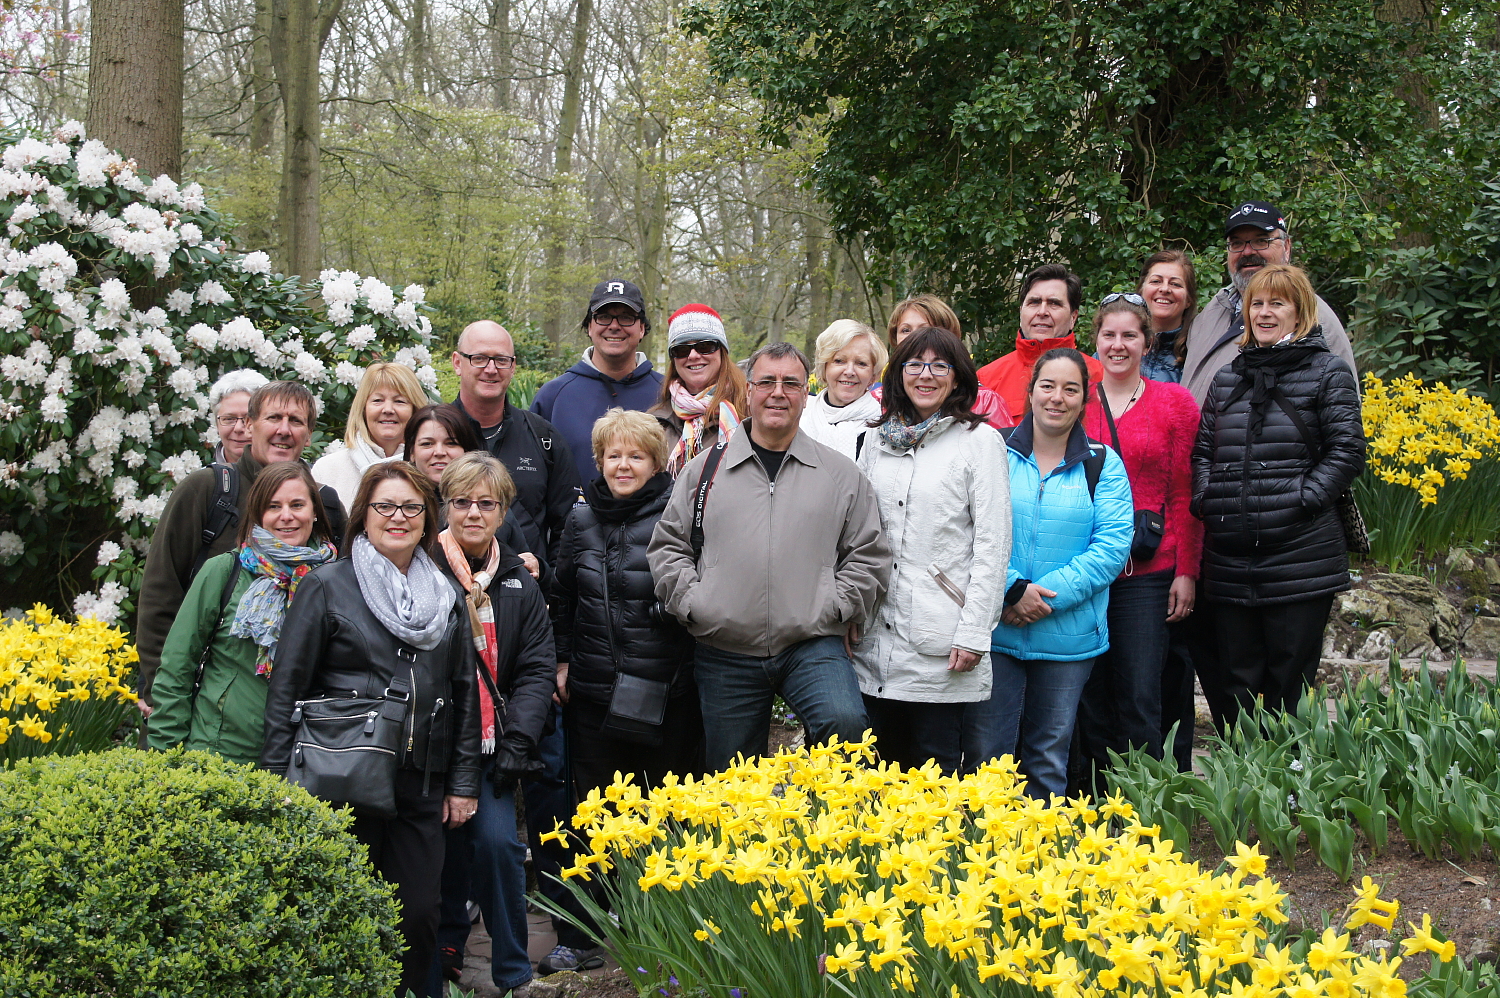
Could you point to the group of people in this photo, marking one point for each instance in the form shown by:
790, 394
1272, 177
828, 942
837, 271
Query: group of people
1033, 558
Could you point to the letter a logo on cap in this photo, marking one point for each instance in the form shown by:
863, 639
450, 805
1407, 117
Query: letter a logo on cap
616, 288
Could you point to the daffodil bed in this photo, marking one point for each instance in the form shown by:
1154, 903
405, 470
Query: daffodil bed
1434, 469
62, 685
823, 872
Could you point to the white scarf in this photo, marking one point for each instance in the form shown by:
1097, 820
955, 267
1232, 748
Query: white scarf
363, 454
864, 409
413, 606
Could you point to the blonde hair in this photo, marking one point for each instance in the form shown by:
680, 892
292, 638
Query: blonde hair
837, 338
636, 429
474, 469
1282, 280
396, 377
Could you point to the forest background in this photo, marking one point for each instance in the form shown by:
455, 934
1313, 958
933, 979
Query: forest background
790, 161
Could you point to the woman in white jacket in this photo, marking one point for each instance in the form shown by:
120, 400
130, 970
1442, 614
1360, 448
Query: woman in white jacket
850, 359
387, 396
940, 475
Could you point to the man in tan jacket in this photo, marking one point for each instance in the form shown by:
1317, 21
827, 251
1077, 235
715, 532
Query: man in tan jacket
792, 561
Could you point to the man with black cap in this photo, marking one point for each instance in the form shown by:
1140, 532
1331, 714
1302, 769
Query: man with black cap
1257, 237
612, 374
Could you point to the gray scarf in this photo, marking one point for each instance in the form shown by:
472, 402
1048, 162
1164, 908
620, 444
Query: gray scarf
414, 607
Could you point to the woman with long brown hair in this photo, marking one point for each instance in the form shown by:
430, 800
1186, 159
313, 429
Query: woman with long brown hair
703, 396
1169, 285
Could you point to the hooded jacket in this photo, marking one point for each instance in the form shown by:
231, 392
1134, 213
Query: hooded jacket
1271, 530
1010, 373
574, 400
602, 596
1065, 541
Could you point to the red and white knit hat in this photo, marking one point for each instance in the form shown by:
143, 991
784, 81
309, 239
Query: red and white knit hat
694, 324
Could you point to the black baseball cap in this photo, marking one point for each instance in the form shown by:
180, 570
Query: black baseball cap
1261, 214
614, 290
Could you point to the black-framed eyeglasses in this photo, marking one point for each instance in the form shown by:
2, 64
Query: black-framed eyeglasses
624, 321
769, 385
939, 368
1129, 296
705, 348
483, 360
485, 505
410, 510
1260, 244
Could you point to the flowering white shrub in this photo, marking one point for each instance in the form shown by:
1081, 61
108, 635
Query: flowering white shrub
121, 301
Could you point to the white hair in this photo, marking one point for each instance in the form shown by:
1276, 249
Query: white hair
243, 380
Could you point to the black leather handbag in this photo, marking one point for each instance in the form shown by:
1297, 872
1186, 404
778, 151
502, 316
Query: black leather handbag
346, 748
637, 706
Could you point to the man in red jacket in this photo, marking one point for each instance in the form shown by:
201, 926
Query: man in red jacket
1049, 307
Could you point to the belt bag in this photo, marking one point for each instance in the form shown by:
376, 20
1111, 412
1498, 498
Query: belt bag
346, 748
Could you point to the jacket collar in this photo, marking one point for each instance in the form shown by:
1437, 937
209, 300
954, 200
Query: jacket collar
588, 369
248, 466
504, 417
738, 450
1022, 440
1027, 351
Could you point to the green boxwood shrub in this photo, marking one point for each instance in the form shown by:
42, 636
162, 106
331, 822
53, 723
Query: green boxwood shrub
181, 874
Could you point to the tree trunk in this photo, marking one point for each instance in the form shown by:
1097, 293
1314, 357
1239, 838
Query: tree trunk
135, 81
567, 127
299, 30
262, 81
651, 214
500, 51
817, 282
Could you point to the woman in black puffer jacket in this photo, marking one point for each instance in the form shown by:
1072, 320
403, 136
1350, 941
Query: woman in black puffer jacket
1266, 489
608, 624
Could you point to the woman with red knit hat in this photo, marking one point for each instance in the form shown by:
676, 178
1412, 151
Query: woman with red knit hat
1152, 424
704, 393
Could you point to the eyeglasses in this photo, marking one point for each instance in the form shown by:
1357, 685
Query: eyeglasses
1129, 296
1259, 244
230, 422
483, 360
705, 348
485, 505
410, 510
624, 321
770, 385
939, 368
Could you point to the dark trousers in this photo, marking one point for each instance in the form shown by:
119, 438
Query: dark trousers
913, 734
1121, 705
1177, 693
598, 756
1269, 651
407, 851
549, 800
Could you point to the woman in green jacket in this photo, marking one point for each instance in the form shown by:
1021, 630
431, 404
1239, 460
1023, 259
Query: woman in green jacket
231, 619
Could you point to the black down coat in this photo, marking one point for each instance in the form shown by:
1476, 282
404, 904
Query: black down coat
610, 535
1271, 532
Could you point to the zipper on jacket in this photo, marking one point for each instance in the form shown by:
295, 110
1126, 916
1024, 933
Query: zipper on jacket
437, 708
411, 715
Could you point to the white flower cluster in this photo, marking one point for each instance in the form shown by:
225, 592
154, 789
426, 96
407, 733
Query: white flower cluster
343, 291
11, 546
103, 605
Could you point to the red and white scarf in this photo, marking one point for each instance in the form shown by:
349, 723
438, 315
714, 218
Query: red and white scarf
481, 623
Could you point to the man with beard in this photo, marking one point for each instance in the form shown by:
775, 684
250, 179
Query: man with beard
1257, 237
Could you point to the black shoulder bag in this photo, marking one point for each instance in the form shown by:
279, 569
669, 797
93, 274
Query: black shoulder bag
1150, 524
1356, 534
346, 748
637, 706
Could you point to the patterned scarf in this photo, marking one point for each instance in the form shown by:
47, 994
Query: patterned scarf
278, 567
693, 410
481, 623
900, 437
412, 606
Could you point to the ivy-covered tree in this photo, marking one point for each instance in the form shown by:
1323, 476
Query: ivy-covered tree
968, 140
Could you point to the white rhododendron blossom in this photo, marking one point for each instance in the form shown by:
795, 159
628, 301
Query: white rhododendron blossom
122, 299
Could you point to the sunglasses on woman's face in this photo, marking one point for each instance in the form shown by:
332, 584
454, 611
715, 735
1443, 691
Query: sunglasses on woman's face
705, 348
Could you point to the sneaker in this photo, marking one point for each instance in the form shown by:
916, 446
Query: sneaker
451, 961
565, 958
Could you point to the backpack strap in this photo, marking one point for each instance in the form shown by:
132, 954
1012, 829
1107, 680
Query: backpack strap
1093, 465
859, 444
223, 510
234, 576
700, 499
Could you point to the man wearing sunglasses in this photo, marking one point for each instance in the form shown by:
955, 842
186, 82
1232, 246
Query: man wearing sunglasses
1256, 237
613, 374
1050, 296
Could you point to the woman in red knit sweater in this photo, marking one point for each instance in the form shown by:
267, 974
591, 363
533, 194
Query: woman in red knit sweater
1153, 425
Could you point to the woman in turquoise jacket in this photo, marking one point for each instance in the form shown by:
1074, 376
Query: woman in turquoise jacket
1072, 520
231, 619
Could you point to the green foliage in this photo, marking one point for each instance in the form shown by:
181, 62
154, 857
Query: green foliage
1422, 755
1434, 311
970, 141
181, 874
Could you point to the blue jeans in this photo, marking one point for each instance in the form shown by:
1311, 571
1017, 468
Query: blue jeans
815, 677
486, 861
1121, 705
1033, 703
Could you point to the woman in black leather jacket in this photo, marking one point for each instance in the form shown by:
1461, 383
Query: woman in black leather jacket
1280, 441
607, 622
383, 614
